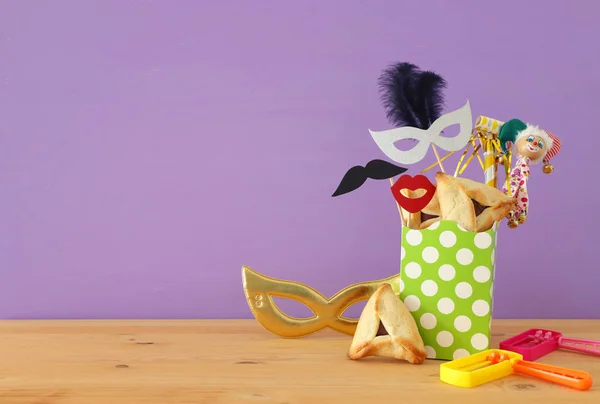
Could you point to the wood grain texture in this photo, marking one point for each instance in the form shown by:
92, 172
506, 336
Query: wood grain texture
237, 361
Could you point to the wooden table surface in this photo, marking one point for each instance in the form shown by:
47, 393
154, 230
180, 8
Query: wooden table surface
237, 361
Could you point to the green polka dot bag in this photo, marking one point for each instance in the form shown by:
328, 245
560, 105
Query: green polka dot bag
446, 281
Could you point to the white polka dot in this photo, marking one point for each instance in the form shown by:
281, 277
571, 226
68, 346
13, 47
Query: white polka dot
460, 227
444, 338
434, 226
482, 274
462, 323
412, 303
445, 305
402, 253
480, 308
464, 290
429, 287
414, 237
428, 321
464, 256
412, 270
430, 255
446, 272
483, 240
448, 239
479, 341
430, 352
460, 353
401, 285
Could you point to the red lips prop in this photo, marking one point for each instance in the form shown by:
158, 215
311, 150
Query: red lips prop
413, 205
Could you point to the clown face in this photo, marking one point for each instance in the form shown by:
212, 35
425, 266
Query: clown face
532, 146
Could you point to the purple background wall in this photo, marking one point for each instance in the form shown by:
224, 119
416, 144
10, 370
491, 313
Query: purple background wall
148, 149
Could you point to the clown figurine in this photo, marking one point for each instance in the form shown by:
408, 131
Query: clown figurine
531, 146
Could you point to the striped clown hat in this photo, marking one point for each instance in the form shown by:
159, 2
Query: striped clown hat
554, 149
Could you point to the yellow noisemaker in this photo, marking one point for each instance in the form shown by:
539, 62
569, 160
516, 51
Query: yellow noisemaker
487, 366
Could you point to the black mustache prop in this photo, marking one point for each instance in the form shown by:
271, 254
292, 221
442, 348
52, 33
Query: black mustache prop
358, 175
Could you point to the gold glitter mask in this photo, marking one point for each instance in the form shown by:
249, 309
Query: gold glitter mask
260, 291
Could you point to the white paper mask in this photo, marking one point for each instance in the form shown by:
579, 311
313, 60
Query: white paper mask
386, 139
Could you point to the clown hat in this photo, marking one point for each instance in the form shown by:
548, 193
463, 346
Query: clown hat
508, 132
554, 149
516, 129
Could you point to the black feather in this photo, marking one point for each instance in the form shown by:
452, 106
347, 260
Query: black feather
430, 97
411, 97
396, 89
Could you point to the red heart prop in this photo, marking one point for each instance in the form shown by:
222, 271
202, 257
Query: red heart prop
413, 205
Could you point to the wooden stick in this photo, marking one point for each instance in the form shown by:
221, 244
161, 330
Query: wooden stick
397, 204
436, 163
437, 156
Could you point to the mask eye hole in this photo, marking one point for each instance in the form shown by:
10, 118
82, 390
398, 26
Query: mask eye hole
296, 309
